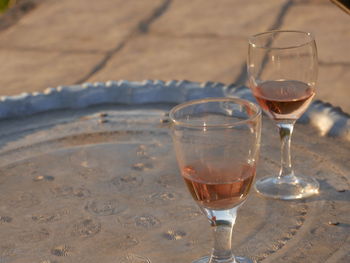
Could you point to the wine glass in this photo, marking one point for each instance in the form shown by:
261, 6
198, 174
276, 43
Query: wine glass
217, 141
282, 70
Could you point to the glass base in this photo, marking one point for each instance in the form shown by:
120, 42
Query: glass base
289, 187
237, 260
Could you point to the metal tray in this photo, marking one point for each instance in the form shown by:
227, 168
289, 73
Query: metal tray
88, 174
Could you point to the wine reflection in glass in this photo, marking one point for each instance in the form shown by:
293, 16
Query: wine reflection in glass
217, 141
282, 71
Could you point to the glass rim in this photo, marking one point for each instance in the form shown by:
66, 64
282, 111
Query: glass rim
310, 38
243, 102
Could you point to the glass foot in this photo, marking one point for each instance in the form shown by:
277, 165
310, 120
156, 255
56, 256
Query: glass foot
289, 187
237, 260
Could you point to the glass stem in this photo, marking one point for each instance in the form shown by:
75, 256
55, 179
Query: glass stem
222, 223
285, 131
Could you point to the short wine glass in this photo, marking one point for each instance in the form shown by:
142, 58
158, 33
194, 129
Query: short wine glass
282, 70
217, 141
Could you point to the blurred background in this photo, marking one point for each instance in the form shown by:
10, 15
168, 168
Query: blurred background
46, 43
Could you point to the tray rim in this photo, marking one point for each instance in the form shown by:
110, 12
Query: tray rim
327, 119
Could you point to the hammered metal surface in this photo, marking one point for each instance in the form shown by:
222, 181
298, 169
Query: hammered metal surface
101, 184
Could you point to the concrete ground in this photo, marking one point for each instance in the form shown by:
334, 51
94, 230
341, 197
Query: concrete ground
48, 43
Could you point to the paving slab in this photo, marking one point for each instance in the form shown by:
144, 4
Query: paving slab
333, 85
218, 18
29, 71
327, 22
78, 25
168, 58
67, 42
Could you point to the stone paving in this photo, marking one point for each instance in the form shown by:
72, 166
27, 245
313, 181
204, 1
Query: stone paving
68, 42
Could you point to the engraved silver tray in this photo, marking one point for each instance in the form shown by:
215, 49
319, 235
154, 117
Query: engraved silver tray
88, 174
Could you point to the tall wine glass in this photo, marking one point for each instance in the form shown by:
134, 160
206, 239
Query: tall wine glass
217, 142
282, 70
